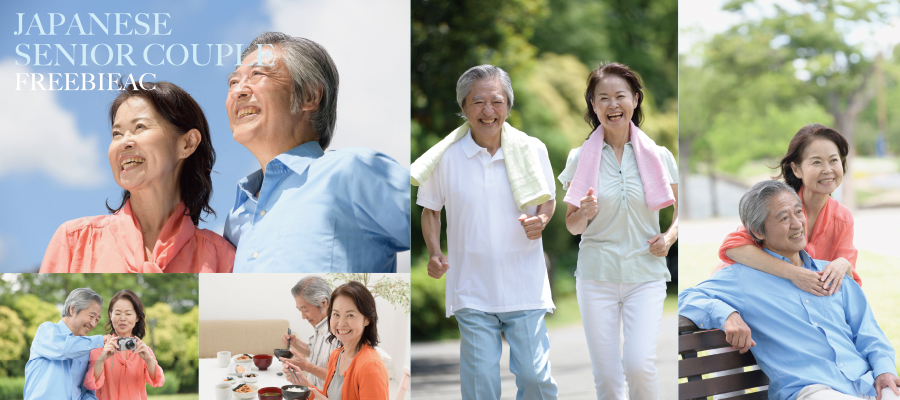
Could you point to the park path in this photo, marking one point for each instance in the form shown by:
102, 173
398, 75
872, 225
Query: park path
435, 365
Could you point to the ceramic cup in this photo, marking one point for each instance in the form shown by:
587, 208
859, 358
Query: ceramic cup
224, 358
223, 391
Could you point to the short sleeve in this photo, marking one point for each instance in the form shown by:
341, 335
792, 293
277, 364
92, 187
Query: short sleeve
671, 166
380, 193
738, 238
568, 173
548, 170
431, 193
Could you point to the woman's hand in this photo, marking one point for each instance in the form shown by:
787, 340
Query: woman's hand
588, 207
109, 348
808, 281
660, 245
833, 274
287, 367
298, 360
318, 394
143, 351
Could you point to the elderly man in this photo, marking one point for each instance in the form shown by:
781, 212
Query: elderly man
60, 351
496, 274
312, 295
306, 210
811, 347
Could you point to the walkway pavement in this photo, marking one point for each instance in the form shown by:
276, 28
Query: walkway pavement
435, 365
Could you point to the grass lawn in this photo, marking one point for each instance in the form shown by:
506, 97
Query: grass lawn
878, 273
181, 396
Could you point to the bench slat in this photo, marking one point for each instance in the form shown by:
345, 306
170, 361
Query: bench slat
723, 384
714, 363
700, 341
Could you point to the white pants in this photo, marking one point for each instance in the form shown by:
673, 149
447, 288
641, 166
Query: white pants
823, 392
639, 308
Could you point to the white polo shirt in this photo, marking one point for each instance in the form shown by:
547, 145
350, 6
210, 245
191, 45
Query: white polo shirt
494, 267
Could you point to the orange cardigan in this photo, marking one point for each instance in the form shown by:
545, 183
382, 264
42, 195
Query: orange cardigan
831, 238
365, 379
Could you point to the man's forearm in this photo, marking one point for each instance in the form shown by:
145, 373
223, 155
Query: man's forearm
545, 211
431, 230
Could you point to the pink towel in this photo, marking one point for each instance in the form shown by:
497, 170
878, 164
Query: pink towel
657, 190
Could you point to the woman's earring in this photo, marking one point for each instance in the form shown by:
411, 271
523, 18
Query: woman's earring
184, 155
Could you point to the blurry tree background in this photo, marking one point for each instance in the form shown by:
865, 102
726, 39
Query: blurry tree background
548, 47
170, 304
785, 65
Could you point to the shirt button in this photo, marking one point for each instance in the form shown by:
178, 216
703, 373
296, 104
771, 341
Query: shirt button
701, 325
807, 301
263, 212
255, 254
816, 323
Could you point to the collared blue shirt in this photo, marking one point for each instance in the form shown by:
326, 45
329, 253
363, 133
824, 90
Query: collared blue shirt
341, 211
801, 339
58, 363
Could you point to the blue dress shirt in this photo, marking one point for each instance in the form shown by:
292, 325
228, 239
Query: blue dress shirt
58, 362
341, 211
801, 339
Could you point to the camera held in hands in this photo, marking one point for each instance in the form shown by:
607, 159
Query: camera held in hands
127, 343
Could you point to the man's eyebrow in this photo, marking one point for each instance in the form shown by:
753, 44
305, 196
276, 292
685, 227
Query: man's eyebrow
231, 75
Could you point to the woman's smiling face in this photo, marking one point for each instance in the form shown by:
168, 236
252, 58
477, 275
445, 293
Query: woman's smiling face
123, 317
614, 102
347, 323
143, 151
821, 169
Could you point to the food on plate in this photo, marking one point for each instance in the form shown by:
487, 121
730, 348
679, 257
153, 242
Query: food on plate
243, 388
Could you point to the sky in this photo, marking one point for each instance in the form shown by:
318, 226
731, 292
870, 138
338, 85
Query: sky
53, 144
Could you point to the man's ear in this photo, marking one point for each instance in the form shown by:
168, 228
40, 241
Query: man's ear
312, 99
758, 235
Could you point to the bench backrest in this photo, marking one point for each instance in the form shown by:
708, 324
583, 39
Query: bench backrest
691, 340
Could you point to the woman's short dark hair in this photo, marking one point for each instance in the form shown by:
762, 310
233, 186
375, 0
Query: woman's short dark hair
183, 113
804, 137
365, 304
621, 70
139, 325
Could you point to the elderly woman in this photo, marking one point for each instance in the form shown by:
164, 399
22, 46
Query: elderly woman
617, 181
355, 370
160, 153
814, 167
116, 373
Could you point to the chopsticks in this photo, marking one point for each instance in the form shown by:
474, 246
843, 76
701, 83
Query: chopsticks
291, 370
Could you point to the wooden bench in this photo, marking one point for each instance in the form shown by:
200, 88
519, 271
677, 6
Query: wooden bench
691, 340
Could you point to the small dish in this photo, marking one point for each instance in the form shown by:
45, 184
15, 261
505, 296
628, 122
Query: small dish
283, 353
303, 394
248, 395
269, 393
250, 378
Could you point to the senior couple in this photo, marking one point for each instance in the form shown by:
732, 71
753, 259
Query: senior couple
304, 210
497, 186
68, 364
339, 361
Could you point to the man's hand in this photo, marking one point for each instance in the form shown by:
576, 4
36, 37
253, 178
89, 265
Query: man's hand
533, 225
737, 333
293, 338
299, 360
588, 207
438, 266
886, 380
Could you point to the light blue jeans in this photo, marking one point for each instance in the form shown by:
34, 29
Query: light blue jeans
529, 354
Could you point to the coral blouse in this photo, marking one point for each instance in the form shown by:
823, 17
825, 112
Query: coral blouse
123, 378
832, 237
114, 244
366, 378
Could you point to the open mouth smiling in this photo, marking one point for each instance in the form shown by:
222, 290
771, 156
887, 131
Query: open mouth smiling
131, 162
247, 112
614, 116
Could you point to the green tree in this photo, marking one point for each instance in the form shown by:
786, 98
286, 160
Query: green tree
12, 334
804, 50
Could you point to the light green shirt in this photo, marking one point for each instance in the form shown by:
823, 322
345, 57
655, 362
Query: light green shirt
614, 245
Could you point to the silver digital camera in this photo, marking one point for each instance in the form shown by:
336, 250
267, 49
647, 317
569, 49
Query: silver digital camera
127, 343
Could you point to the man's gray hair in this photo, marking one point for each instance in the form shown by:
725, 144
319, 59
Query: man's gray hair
475, 74
314, 290
312, 71
81, 299
754, 205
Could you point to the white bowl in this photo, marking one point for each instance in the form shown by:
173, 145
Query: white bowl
247, 361
248, 396
248, 379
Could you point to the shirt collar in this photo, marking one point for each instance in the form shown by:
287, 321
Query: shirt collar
297, 159
804, 256
471, 148
322, 324
64, 329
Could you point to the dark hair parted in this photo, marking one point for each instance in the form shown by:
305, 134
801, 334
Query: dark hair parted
804, 137
183, 113
139, 325
620, 70
365, 304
